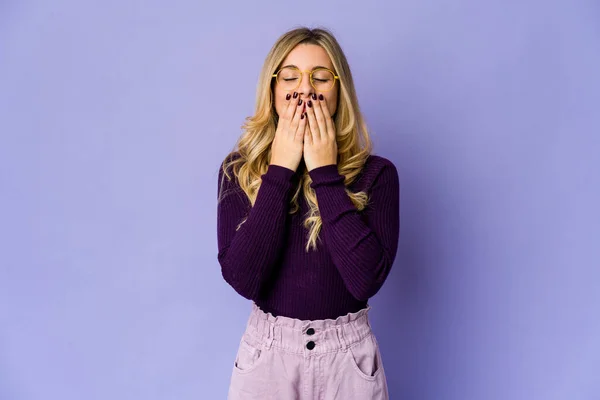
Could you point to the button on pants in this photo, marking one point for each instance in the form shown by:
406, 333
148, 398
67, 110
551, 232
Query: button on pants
282, 358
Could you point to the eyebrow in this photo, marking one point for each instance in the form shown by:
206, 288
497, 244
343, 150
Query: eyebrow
315, 67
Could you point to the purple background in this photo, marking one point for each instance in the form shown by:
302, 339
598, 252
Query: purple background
114, 117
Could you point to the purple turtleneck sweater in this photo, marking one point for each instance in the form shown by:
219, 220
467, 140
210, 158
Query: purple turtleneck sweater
265, 260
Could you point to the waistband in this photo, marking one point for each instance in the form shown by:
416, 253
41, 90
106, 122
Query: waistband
305, 336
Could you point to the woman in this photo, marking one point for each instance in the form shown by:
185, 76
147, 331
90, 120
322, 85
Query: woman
308, 224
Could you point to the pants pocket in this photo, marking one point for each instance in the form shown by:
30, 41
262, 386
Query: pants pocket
251, 371
249, 355
366, 358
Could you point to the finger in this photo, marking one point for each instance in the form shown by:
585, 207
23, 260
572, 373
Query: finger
327, 116
320, 119
308, 139
302, 128
291, 107
296, 119
312, 121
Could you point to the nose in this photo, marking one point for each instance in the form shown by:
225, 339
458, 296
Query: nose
305, 89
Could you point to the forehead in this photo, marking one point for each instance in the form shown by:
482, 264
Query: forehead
307, 56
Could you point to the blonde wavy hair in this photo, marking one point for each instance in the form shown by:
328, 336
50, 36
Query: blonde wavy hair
254, 145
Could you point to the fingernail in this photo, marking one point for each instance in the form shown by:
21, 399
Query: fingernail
288, 96
314, 96
302, 116
295, 94
321, 97
300, 102
309, 103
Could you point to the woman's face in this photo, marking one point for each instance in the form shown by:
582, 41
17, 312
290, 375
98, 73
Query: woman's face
307, 57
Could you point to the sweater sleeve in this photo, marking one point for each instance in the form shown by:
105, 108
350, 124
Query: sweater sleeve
362, 247
247, 256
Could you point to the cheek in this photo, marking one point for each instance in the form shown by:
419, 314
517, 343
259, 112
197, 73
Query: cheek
279, 101
332, 104
332, 108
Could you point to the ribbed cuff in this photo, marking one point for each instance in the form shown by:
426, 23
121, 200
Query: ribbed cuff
325, 175
279, 174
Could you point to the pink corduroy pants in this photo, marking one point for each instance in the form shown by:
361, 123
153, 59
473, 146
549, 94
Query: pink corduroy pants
289, 359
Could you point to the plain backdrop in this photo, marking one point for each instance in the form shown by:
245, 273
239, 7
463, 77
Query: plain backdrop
115, 116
